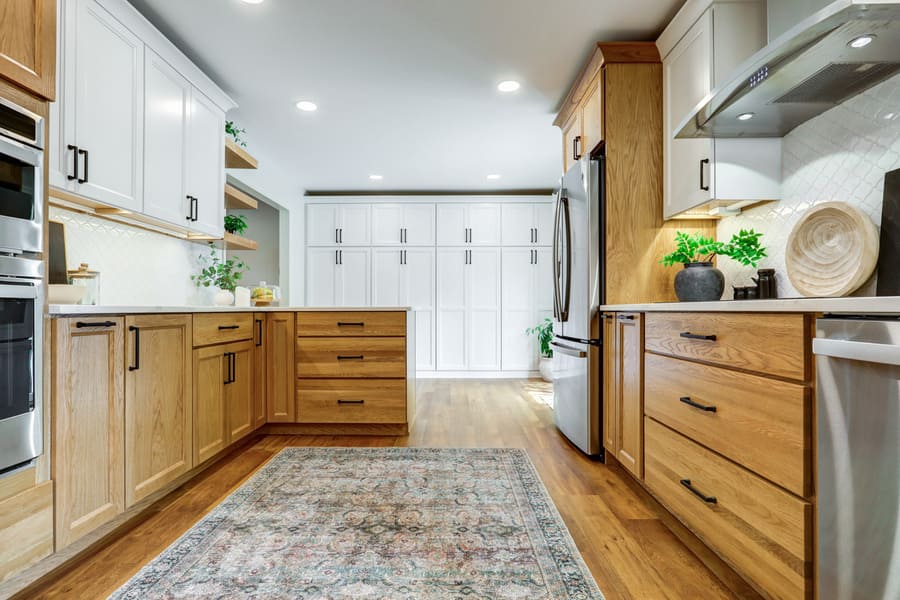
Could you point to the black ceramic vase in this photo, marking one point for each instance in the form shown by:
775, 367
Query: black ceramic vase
699, 282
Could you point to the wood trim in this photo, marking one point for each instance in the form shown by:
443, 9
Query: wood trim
238, 158
236, 199
396, 429
237, 242
17, 483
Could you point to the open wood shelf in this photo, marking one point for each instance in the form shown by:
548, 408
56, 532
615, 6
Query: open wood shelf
235, 199
238, 158
236, 242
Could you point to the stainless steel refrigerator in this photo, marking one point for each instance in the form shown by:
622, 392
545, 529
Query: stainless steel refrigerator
578, 283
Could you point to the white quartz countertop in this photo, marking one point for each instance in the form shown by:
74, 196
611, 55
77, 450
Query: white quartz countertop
66, 310
853, 305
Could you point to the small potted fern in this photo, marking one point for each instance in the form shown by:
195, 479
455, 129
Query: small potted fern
700, 281
544, 333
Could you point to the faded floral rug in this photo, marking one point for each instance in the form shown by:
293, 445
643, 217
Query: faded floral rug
379, 523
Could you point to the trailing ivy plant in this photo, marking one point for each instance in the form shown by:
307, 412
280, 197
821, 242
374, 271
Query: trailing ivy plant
235, 224
544, 333
744, 247
215, 272
234, 132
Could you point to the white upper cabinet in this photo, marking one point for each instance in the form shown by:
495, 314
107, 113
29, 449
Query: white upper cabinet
206, 165
337, 224
527, 224
403, 224
463, 224
704, 56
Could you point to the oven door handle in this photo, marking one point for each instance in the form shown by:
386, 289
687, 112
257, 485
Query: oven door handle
26, 154
19, 289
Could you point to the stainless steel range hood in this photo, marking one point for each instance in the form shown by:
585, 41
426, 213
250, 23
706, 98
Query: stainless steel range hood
804, 72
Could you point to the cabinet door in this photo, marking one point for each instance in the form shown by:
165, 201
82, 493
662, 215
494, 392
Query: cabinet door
210, 375
418, 224
451, 224
386, 267
321, 224
167, 97
321, 276
387, 224
280, 345
354, 225
58, 156
629, 392
158, 415
610, 412
259, 369
543, 221
483, 309
353, 277
88, 425
572, 139
417, 289
484, 224
28, 45
451, 308
592, 116
543, 284
518, 224
206, 165
104, 91
687, 75
520, 350
239, 407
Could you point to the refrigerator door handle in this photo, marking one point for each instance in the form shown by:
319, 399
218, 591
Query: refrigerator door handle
556, 303
566, 292
568, 350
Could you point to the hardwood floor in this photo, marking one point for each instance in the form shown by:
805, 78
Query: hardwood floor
615, 524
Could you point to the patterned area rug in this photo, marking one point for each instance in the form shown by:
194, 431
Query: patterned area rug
398, 523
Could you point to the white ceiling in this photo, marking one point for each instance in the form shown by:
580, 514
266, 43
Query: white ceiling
405, 88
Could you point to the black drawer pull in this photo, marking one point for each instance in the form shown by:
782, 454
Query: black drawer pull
351, 401
224, 327
351, 324
708, 499
353, 357
626, 317
259, 331
687, 400
697, 336
83, 324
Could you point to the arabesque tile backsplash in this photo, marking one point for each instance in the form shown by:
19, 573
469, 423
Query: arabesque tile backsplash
841, 155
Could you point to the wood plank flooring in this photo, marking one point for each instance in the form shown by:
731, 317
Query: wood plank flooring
615, 524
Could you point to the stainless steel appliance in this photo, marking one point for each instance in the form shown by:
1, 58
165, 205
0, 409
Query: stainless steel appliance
21, 180
858, 460
21, 335
578, 293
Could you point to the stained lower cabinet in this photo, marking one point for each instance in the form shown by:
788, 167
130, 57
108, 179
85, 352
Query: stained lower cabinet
623, 397
280, 344
260, 338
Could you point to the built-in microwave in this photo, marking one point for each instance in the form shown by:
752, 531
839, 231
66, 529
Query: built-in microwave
21, 179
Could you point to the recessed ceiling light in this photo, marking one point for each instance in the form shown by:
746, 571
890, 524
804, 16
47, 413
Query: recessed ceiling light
307, 106
746, 116
508, 86
376, 177
494, 176
253, 1
862, 41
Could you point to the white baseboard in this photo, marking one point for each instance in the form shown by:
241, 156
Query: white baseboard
477, 374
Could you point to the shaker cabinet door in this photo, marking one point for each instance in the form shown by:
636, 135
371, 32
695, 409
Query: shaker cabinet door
206, 165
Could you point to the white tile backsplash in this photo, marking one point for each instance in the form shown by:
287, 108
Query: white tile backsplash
841, 155
137, 267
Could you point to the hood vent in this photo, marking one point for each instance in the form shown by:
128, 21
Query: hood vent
803, 73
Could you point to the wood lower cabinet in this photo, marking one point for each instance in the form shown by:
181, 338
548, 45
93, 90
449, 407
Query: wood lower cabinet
623, 398
28, 45
158, 414
280, 402
88, 462
259, 369
239, 407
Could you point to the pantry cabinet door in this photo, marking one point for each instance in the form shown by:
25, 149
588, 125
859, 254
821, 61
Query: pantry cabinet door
321, 224
451, 225
354, 225
418, 225
484, 224
543, 284
418, 291
519, 348
206, 165
353, 277
321, 276
483, 309
386, 267
387, 224
518, 224
451, 308
543, 222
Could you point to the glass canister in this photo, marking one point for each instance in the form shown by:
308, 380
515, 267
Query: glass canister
88, 279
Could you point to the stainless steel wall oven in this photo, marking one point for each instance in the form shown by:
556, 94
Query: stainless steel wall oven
21, 180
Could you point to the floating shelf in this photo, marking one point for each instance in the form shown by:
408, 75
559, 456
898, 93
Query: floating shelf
235, 199
236, 242
238, 158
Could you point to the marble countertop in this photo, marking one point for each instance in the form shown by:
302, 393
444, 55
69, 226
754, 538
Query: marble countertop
67, 310
886, 305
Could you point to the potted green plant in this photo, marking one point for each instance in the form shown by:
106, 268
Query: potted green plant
235, 224
700, 280
544, 333
232, 130
220, 275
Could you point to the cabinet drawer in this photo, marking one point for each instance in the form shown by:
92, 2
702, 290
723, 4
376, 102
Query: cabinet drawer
762, 531
351, 324
351, 401
760, 423
351, 357
222, 328
766, 343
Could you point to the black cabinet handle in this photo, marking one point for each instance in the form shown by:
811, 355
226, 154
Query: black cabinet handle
227, 357
335, 235
687, 400
341, 254
137, 348
336, 257
225, 327
351, 401
576, 155
703, 186
75, 166
351, 357
87, 157
341, 235
233, 367
83, 324
708, 499
259, 332
351, 323
196, 208
625, 317
697, 336
190, 215
535, 235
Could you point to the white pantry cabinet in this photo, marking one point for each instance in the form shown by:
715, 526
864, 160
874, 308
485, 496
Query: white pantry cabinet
468, 224
338, 224
527, 299
338, 276
405, 224
700, 171
527, 224
406, 277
